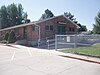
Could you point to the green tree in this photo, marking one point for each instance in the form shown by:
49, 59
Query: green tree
47, 14
3, 17
25, 17
20, 14
12, 37
70, 16
96, 28
83, 28
6, 36
11, 15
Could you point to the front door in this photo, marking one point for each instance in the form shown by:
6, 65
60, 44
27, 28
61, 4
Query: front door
61, 30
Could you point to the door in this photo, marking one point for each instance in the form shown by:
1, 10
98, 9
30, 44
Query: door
61, 30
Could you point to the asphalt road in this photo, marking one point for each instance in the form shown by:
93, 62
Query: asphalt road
32, 61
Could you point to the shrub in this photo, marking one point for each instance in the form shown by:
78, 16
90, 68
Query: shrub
3, 41
12, 37
6, 36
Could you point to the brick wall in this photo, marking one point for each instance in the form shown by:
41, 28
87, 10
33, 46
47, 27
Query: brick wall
34, 35
54, 22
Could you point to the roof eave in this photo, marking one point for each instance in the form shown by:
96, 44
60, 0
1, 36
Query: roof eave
72, 22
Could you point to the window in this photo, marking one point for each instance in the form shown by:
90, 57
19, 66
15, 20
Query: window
46, 27
71, 29
49, 27
34, 28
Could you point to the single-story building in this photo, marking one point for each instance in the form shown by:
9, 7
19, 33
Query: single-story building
42, 30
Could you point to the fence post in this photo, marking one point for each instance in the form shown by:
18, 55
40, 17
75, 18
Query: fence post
56, 42
75, 40
48, 44
38, 43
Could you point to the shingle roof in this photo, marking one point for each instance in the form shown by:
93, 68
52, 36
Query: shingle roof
56, 17
17, 26
36, 22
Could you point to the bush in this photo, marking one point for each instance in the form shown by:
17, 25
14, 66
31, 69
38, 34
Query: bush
6, 36
3, 41
12, 37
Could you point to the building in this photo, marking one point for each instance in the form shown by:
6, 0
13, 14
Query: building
42, 30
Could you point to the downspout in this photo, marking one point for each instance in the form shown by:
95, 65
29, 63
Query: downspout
39, 34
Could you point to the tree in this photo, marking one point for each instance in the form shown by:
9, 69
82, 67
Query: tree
70, 16
20, 14
12, 37
47, 14
83, 28
11, 15
3, 17
96, 28
6, 36
25, 17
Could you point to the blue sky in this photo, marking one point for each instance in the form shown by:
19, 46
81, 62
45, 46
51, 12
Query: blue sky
84, 10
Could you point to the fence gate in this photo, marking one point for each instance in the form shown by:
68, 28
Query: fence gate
63, 41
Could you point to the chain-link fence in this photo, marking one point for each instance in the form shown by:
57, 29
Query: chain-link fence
68, 41
73, 41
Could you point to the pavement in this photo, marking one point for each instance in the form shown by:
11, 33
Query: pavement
21, 60
82, 57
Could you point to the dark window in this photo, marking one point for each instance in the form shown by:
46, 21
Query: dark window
71, 29
49, 27
33, 28
61, 30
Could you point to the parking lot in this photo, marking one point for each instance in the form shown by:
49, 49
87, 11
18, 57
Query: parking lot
21, 60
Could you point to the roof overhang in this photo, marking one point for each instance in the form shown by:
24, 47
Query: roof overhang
71, 21
36, 23
17, 26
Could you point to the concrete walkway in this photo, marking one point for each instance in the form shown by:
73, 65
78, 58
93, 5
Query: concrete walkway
21, 60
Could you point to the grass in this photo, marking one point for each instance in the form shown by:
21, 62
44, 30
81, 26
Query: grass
93, 51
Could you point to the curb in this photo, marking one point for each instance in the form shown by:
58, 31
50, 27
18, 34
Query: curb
10, 45
92, 61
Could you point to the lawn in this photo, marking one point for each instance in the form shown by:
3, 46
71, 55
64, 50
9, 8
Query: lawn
93, 51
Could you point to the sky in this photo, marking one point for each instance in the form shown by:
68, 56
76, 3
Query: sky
83, 10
